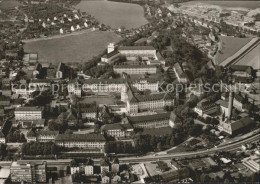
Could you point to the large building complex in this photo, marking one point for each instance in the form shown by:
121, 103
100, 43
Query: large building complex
28, 113
135, 69
150, 121
87, 141
136, 102
111, 85
130, 52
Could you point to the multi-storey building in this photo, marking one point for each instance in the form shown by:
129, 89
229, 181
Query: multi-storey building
233, 127
180, 74
47, 136
90, 141
117, 130
28, 113
205, 108
238, 102
89, 113
29, 172
42, 136
149, 121
112, 85
135, 69
151, 102
132, 52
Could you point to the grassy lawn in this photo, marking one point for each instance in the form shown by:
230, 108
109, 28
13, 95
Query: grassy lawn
115, 14
71, 49
8, 4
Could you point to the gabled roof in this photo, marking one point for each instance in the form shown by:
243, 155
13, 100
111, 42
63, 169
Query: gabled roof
29, 108
148, 118
31, 133
247, 69
239, 98
80, 137
114, 126
242, 123
47, 133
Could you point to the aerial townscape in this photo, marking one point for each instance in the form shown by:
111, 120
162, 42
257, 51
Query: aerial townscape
129, 91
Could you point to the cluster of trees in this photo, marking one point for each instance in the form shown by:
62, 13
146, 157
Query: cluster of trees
119, 147
3, 151
40, 148
203, 177
15, 136
42, 99
163, 166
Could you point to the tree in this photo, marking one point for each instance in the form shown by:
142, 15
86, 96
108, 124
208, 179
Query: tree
172, 141
159, 146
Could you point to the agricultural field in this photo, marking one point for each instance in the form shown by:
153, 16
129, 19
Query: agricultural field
115, 14
72, 49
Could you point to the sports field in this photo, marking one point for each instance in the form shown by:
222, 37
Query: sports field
75, 48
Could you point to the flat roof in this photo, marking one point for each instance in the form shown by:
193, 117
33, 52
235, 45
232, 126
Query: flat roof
4, 173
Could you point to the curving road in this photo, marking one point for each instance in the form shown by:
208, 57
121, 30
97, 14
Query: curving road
229, 147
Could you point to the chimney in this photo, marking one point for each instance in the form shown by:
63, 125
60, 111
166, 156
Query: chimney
230, 104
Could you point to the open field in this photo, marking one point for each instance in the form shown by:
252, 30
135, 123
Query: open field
8, 4
115, 14
73, 48
230, 4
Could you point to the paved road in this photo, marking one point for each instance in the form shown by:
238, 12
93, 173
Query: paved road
230, 147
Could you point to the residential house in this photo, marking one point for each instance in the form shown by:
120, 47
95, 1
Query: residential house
89, 168
31, 136
104, 166
62, 71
